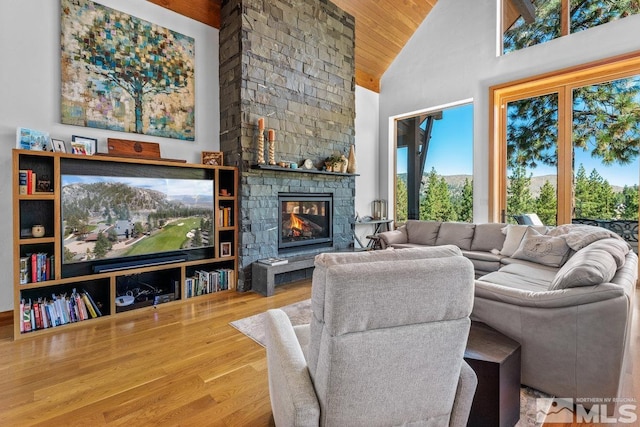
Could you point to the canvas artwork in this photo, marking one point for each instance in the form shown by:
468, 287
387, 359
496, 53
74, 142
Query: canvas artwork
122, 73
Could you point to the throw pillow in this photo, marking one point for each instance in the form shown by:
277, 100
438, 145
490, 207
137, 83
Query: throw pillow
589, 266
514, 234
541, 249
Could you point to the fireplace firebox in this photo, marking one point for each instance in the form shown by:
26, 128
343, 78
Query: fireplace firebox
305, 219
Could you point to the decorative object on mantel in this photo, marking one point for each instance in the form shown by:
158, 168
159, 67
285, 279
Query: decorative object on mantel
344, 164
261, 141
272, 148
212, 158
308, 164
352, 159
332, 163
30, 139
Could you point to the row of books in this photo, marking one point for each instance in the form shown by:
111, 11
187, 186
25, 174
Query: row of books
59, 310
36, 267
207, 282
224, 217
26, 181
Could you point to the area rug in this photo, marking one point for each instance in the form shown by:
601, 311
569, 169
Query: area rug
300, 314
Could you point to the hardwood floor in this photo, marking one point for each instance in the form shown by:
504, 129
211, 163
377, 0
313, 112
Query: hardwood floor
180, 364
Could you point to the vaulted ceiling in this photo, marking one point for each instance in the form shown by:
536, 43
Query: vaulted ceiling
382, 28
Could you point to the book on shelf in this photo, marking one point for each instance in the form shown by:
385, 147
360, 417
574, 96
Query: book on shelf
273, 261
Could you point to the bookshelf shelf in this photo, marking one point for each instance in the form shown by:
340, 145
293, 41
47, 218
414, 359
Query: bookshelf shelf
102, 288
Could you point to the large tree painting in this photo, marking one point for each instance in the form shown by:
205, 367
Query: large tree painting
122, 73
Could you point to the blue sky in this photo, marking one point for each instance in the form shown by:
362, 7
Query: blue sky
170, 187
451, 145
451, 152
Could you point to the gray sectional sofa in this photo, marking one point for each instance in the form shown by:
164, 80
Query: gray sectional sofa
566, 294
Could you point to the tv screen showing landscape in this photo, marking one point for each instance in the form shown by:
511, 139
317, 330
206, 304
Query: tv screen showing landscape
105, 217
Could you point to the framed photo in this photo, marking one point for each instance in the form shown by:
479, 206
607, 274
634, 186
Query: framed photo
225, 249
58, 146
212, 158
30, 139
83, 145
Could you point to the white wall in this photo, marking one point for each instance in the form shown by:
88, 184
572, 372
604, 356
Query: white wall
30, 93
452, 56
366, 126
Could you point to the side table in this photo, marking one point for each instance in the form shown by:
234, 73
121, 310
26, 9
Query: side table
495, 358
379, 225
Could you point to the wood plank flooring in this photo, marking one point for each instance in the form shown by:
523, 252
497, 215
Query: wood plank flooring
180, 364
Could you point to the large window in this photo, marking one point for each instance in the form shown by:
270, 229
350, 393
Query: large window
529, 22
434, 165
567, 146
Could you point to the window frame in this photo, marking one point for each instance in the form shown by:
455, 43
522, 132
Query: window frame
562, 82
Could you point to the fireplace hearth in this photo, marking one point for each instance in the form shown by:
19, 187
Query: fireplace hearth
305, 220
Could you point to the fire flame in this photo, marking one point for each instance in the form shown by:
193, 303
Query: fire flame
295, 223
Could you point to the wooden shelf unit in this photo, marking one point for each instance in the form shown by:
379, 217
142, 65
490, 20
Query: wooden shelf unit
45, 208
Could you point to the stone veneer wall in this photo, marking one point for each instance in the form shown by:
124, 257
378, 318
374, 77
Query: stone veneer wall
291, 62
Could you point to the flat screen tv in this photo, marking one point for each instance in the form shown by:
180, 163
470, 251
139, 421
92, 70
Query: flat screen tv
117, 218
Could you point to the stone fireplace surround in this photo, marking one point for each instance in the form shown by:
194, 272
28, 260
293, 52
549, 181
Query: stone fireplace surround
291, 62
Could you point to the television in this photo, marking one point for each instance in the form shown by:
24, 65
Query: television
113, 222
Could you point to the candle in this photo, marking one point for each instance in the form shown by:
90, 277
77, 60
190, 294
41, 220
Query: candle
272, 135
261, 124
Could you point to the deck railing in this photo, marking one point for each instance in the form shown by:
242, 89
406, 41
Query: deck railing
628, 229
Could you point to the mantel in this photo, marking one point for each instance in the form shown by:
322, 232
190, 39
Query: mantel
300, 170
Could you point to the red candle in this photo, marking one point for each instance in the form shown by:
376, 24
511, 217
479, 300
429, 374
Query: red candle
261, 123
272, 135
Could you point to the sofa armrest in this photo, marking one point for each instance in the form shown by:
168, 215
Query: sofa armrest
293, 398
464, 396
548, 299
388, 238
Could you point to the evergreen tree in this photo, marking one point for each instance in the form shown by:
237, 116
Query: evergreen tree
437, 205
519, 199
582, 196
102, 246
630, 202
546, 204
465, 209
402, 200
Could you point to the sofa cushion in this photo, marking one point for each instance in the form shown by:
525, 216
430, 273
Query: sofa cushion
516, 281
546, 250
514, 234
394, 236
456, 233
589, 266
422, 232
579, 236
616, 247
487, 237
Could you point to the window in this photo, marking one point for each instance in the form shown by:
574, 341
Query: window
434, 165
566, 146
530, 22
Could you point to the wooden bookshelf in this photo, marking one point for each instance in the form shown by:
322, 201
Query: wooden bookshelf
164, 282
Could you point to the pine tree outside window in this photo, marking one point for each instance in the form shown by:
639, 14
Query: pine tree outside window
530, 22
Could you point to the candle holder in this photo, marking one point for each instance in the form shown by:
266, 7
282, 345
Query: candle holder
272, 148
261, 147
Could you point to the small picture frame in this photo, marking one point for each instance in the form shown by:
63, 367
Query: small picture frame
225, 249
57, 145
31, 139
212, 158
83, 145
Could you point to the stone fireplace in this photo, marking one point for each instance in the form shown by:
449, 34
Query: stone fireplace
290, 62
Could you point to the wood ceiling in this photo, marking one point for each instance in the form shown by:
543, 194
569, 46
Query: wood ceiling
382, 28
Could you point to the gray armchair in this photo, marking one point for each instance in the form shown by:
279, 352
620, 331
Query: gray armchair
385, 345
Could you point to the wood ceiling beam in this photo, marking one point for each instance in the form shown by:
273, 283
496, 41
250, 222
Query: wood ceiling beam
205, 11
